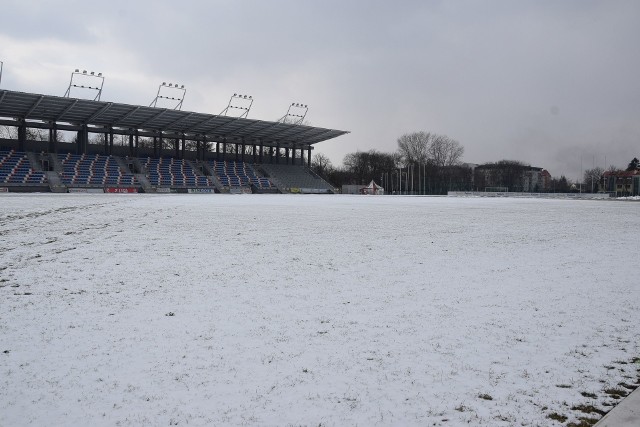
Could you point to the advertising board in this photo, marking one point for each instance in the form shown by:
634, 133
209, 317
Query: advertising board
200, 191
120, 190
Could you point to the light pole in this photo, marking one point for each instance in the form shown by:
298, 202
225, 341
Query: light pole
1, 66
174, 87
297, 112
239, 102
84, 75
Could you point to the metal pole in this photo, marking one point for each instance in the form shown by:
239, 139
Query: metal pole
1, 66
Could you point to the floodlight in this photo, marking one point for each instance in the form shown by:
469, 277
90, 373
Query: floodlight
99, 74
182, 87
77, 71
84, 71
92, 73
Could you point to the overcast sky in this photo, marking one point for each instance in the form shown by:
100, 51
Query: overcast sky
551, 83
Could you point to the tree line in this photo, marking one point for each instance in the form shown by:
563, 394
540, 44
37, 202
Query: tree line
429, 163
424, 163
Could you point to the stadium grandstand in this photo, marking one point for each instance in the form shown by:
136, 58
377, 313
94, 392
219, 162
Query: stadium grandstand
134, 148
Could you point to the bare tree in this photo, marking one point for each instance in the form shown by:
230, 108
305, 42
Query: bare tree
321, 164
444, 151
363, 166
414, 147
592, 177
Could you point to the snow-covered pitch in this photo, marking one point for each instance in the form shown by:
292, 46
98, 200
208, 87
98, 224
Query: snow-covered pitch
308, 310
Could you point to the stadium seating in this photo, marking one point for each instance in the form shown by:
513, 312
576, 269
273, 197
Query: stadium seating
296, 177
170, 172
16, 169
238, 174
94, 170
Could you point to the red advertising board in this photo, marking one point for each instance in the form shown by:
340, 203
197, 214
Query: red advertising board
120, 190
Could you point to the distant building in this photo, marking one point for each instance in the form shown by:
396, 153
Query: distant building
511, 176
622, 183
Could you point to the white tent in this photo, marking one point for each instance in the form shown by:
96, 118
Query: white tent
373, 189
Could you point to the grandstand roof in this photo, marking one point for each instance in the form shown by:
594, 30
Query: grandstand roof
46, 108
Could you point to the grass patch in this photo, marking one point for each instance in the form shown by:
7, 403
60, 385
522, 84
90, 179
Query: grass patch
588, 409
485, 396
627, 386
563, 385
584, 422
557, 417
589, 395
616, 393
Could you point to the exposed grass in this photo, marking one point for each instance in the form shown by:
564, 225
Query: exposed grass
557, 417
622, 390
589, 395
588, 409
584, 422
616, 393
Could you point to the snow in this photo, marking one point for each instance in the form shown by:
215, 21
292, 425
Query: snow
307, 310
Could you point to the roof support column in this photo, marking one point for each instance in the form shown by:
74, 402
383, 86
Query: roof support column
278, 153
110, 141
137, 143
197, 149
160, 144
131, 144
293, 155
176, 147
261, 151
53, 138
309, 157
224, 149
184, 144
22, 135
106, 143
253, 153
155, 146
243, 149
205, 148
82, 140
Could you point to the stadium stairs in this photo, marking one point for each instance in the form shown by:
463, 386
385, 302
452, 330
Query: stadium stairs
133, 165
212, 176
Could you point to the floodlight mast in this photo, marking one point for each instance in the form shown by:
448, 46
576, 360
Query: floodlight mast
296, 119
174, 87
235, 102
92, 74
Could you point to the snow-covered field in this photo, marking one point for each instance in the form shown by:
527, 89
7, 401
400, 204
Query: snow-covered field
308, 310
